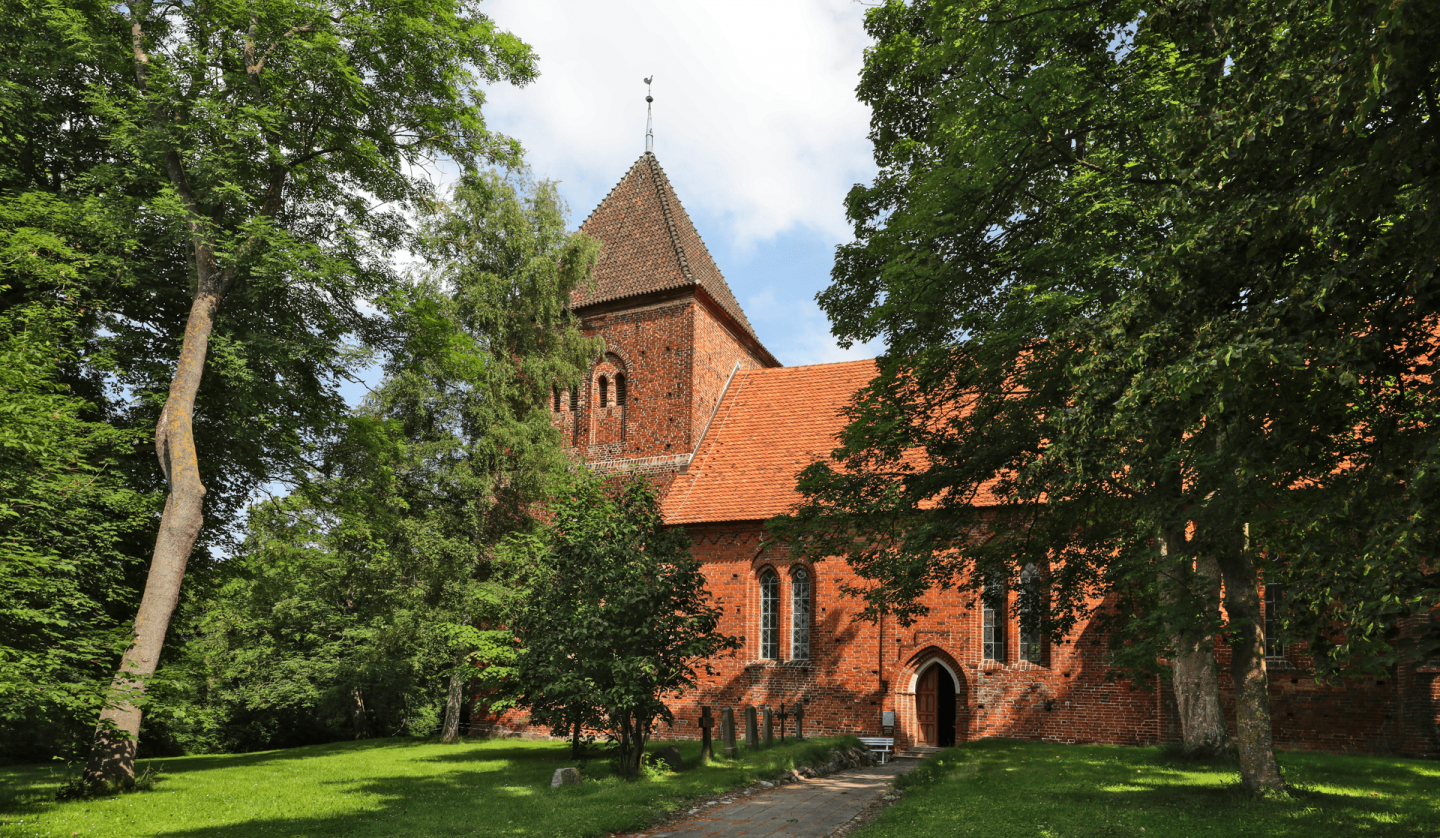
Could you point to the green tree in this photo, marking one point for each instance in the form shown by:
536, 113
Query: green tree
278, 143
68, 519
615, 618
376, 576
1130, 304
1017, 195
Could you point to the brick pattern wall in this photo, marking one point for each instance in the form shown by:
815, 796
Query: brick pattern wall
651, 346
716, 353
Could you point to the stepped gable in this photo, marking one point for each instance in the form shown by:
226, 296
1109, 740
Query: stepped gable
650, 244
772, 423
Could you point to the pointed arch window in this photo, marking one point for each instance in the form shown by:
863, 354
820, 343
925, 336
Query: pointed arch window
770, 615
1274, 596
1032, 605
993, 601
799, 614
619, 389
604, 392
575, 396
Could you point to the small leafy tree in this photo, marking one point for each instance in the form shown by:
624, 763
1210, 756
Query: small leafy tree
617, 617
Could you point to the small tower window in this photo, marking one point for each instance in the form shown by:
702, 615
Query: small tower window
770, 615
555, 398
575, 396
994, 620
619, 389
799, 615
604, 391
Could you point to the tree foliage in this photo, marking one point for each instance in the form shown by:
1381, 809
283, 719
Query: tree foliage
1129, 301
354, 596
616, 618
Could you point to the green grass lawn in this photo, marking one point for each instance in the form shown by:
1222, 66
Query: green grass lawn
1007, 788
396, 787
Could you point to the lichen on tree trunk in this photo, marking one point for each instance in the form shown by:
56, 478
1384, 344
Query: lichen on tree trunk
450, 733
1259, 771
1196, 675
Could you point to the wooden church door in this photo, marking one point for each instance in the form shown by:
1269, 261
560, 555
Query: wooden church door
925, 707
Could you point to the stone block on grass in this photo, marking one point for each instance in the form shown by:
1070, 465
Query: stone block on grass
565, 777
670, 755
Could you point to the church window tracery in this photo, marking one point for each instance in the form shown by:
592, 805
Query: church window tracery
994, 620
770, 615
799, 614
1031, 605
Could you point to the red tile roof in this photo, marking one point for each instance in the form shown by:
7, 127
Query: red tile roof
771, 424
650, 244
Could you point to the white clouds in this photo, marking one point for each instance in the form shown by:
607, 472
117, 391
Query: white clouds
755, 115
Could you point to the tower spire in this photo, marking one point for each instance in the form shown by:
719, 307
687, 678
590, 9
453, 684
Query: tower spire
649, 124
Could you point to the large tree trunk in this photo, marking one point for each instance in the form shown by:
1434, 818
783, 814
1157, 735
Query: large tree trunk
112, 755
450, 733
359, 723
1259, 772
1196, 675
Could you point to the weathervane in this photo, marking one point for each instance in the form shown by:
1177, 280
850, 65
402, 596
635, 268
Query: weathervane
649, 125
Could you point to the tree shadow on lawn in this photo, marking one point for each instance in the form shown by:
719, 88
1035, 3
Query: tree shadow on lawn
463, 802
1112, 791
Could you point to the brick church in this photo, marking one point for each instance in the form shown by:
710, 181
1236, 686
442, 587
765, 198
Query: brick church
687, 394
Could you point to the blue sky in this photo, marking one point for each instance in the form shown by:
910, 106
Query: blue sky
756, 124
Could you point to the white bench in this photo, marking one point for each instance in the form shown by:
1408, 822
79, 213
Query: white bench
882, 745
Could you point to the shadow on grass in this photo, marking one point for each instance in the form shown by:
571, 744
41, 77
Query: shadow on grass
1103, 790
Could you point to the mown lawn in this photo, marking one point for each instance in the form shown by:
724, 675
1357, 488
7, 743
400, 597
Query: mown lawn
384, 788
1002, 788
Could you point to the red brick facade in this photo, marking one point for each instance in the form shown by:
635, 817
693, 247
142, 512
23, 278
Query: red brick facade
723, 429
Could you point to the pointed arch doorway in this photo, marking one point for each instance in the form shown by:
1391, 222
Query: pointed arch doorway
935, 693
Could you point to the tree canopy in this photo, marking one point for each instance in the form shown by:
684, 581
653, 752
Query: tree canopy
1114, 323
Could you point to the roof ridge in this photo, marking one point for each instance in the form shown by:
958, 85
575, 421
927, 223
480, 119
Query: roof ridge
662, 185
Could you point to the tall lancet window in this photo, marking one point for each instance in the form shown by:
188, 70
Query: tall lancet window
994, 620
604, 392
770, 615
1032, 603
1274, 595
619, 389
575, 395
799, 614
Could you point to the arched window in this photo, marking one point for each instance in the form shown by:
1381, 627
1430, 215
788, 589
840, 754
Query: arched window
555, 398
575, 396
1032, 605
604, 392
799, 614
1274, 595
770, 615
994, 618
620, 389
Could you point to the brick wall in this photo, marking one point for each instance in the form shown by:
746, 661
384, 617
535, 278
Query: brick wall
858, 669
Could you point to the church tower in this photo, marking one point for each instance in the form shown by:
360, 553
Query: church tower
674, 334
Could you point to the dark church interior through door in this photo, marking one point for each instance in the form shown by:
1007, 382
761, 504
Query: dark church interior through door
935, 707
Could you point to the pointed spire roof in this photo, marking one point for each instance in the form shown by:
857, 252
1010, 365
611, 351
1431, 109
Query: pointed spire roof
650, 244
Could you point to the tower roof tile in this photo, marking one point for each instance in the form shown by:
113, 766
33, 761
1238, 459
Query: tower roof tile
650, 244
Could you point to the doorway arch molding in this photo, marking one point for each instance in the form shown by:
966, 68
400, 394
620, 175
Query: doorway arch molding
917, 663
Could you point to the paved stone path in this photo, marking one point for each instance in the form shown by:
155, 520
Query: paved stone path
810, 809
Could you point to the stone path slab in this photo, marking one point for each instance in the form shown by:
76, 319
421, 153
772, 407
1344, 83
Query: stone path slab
809, 809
